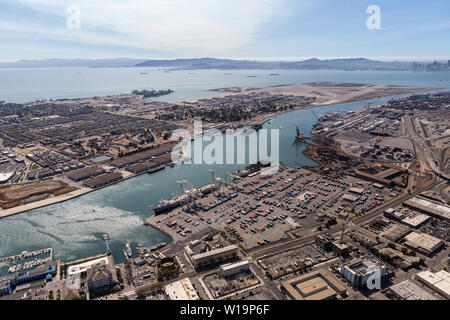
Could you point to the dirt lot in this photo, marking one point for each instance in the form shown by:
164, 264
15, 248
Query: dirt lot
11, 196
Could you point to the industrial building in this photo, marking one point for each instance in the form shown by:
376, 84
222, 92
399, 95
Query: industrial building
434, 209
358, 271
214, 256
408, 290
103, 180
423, 243
141, 156
315, 285
86, 173
141, 167
181, 290
230, 269
438, 281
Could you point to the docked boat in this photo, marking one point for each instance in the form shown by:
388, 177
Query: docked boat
128, 251
166, 205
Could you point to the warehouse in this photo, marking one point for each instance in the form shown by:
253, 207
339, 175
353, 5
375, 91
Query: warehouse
423, 243
141, 167
439, 281
416, 220
434, 209
408, 290
86, 173
140, 156
103, 180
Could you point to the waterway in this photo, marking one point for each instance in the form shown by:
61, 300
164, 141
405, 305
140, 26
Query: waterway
74, 228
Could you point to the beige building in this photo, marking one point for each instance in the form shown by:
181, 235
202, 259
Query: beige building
181, 290
316, 285
423, 243
214, 256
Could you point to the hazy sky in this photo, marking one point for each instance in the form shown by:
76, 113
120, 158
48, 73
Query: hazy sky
259, 29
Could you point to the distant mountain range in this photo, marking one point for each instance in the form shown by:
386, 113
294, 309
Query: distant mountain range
229, 64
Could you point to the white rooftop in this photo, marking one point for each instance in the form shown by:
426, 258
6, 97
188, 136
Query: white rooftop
78, 268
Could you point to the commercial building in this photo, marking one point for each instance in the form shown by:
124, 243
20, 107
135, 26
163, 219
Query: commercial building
439, 281
358, 271
103, 180
214, 256
181, 290
86, 173
230, 269
315, 285
434, 209
408, 290
423, 243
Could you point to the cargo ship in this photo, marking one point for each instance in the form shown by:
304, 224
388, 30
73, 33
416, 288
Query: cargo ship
166, 205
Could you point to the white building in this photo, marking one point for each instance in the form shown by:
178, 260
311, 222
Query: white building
181, 290
358, 271
230, 269
439, 281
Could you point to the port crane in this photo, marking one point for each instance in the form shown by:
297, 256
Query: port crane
217, 180
315, 114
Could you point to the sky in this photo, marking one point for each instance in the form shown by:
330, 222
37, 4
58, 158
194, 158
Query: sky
238, 29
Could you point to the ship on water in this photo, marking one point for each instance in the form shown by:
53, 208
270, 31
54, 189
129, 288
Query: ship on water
299, 136
127, 251
166, 205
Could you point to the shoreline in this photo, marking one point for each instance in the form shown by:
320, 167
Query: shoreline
64, 197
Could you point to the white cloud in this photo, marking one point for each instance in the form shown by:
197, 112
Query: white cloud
187, 27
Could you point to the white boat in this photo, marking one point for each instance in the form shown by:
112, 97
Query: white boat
128, 250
